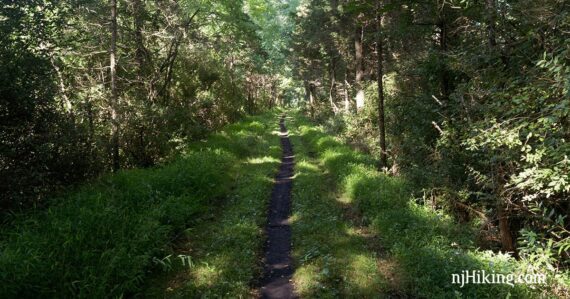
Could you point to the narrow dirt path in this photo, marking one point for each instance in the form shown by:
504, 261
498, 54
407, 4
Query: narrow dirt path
278, 270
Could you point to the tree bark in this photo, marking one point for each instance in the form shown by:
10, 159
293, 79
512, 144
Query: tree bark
491, 19
346, 93
504, 228
380, 75
309, 96
507, 242
312, 99
66, 105
443, 31
141, 54
114, 93
145, 84
167, 66
359, 65
332, 90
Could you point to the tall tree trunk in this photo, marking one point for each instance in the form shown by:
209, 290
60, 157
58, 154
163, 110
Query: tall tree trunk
66, 104
168, 64
359, 65
380, 75
309, 96
491, 7
443, 31
114, 92
346, 92
332, 90
141, 54
312, 98
491, 19
505, 233
145, 90
507, 242
273, 94
249, 100
334, 6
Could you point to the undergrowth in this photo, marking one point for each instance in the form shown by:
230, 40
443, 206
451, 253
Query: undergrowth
224, 251
426, 245
334, 254
103, 239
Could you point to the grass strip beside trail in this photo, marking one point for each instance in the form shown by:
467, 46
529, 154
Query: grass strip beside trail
334, 253
224, 251
102, 240
423, 247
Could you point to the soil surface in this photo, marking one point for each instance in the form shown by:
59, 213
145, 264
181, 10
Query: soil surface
278, 270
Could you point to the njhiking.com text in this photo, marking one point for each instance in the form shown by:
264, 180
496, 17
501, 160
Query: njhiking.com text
484, 277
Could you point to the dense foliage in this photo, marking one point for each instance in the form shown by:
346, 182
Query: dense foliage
103, 239
77, 100
477, 106
425, 246
464, 104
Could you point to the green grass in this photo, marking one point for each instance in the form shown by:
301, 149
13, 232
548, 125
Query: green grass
416, 248
226, 250
334, 253
194, 228
104, 239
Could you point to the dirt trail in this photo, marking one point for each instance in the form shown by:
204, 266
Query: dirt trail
276, 281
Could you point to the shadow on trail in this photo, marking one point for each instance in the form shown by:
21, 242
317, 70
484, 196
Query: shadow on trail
335, 255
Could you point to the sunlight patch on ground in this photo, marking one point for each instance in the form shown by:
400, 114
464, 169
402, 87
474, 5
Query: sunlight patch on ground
355, 231
262, 160
307, 166
363, 272
205, 274
294, 218
345, 200
306, 279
